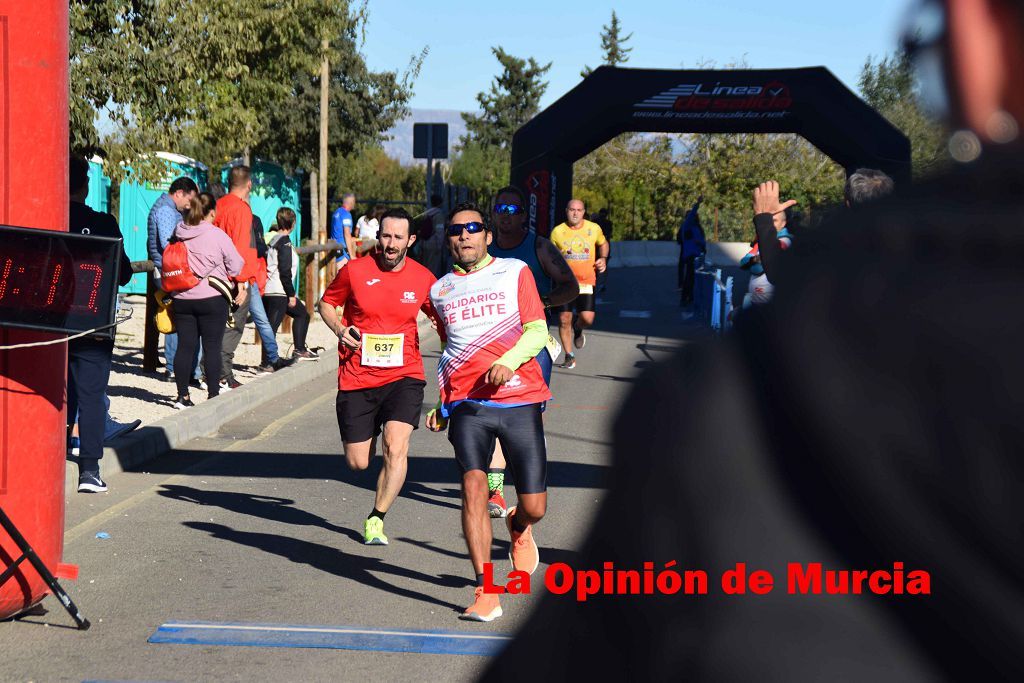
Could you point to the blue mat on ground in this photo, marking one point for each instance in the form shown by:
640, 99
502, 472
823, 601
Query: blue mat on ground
331, 637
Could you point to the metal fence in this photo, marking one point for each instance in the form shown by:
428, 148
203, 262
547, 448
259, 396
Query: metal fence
712, 296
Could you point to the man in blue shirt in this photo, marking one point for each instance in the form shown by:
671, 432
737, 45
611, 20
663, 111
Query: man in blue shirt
341, 228
163, 219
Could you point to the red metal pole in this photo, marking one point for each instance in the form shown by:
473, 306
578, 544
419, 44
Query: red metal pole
33, 193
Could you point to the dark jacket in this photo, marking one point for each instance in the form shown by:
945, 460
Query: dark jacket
691, 235
84, 220
878, 396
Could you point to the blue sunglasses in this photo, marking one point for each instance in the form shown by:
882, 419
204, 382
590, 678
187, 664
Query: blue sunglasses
455, 229
509, 209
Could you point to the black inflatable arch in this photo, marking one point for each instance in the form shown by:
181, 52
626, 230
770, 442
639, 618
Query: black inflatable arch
810, 102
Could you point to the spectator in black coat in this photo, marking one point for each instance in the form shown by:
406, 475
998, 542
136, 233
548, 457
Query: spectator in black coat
89, 358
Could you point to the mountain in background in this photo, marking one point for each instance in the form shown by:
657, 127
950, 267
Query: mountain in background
400, 145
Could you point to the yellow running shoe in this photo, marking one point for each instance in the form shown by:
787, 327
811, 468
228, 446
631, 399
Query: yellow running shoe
373, 532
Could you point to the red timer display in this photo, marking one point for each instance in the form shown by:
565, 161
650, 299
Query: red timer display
56, 281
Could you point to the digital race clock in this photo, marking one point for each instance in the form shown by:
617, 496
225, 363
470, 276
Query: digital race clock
58, 281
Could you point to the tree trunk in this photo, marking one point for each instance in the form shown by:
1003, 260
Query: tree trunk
313, 283
325, 83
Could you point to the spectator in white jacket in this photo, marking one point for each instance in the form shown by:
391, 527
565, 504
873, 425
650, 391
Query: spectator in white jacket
279, 297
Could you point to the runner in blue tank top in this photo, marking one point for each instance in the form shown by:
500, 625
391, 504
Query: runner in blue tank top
555, 282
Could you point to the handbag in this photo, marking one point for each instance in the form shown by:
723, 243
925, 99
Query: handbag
164, 317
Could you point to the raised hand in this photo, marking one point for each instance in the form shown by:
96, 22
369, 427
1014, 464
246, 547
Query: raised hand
766, 199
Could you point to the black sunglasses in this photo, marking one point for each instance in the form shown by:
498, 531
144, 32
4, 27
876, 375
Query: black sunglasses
510, 209
455, 229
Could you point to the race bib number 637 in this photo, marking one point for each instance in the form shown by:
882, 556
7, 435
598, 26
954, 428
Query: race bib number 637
383, 350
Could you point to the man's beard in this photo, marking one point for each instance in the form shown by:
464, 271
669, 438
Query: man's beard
386, 260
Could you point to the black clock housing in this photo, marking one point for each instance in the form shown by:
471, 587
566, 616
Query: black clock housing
57, 281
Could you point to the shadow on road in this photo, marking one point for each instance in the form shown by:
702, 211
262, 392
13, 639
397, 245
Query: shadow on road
419, 493
270, 508
331, 467
499, 550
359, 568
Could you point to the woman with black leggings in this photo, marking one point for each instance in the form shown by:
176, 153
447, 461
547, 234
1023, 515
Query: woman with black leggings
202, 312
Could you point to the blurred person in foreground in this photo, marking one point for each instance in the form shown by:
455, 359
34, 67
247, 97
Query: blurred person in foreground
878, 392
863, 186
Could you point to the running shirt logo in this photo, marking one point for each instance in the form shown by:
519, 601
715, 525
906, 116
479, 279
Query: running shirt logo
514, 382
447, 285
578, 249
409, 298
372, 282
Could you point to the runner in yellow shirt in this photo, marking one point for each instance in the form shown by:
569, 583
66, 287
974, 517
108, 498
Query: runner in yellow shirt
585, 249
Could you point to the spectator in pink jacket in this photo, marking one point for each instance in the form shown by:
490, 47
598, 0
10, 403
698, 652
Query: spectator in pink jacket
203, 310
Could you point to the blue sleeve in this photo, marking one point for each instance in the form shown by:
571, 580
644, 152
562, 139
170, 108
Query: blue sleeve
151, 230
163, 220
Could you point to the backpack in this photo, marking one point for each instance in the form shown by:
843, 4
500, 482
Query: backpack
175, 273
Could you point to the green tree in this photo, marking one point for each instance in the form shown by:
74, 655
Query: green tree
363, 105
224, 77
371, 174
889, 85
613, 44
648, 182
513, 99
728, 167
483, 169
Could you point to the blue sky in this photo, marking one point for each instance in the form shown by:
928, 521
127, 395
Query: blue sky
666, 34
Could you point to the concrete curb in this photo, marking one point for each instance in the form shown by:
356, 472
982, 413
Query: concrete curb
153, 440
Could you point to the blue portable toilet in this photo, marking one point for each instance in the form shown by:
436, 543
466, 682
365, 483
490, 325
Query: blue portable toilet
137, 200
98, 198
271, 190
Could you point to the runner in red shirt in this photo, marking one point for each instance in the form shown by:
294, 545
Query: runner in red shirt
380, 373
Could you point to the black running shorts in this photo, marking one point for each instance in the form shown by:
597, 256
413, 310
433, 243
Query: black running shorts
363, 412
584, 302
473, 428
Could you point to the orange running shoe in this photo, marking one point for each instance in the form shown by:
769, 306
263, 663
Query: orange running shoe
524, 554
496, 504
485, 607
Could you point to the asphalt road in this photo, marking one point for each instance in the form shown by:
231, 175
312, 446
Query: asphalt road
261, 524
